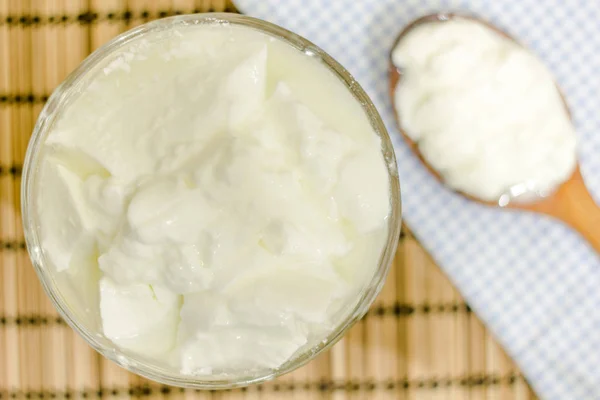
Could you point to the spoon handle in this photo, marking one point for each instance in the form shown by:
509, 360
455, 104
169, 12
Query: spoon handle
574, 205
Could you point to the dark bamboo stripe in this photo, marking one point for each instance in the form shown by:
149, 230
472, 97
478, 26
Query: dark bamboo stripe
31, 320
321, 386
12, 245
397, 310
12, 170
90, 17
7, 99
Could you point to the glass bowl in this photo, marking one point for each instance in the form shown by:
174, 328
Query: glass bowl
79, 316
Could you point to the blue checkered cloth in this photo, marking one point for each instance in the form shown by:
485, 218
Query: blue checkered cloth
535, 283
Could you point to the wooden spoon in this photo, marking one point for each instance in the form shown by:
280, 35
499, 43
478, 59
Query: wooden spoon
571, 202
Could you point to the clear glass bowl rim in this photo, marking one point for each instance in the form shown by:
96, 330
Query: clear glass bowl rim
58, 101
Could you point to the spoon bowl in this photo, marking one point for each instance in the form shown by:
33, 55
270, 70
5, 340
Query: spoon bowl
571, 202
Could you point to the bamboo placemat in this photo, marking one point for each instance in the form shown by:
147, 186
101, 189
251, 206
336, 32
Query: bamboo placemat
419, 341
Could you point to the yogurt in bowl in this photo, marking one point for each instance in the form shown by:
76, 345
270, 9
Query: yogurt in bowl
210, 200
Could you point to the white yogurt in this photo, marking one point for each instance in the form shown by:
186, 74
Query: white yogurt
230, 190
484, 112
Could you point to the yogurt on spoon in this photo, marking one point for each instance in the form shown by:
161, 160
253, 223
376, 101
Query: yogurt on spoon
483, 111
